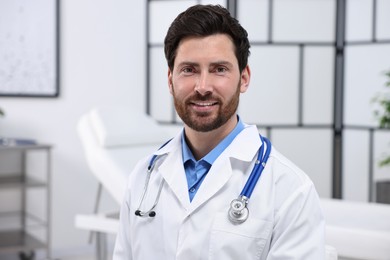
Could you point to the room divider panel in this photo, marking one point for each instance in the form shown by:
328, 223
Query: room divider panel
315, 67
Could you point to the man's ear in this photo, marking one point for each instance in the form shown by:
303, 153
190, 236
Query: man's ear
170, 84
245, 79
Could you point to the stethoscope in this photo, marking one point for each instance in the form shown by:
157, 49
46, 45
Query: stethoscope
238, 211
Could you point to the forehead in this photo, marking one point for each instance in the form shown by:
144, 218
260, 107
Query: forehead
216, 46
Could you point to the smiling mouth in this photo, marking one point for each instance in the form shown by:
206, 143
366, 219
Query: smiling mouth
204, 104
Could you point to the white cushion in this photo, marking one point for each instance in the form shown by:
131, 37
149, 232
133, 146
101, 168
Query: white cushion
358, 230
111, 166
331, 253
122, 126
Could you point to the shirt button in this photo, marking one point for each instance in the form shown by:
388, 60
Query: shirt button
192, 190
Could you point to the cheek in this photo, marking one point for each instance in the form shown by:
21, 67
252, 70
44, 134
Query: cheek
177, 92
182, 87
231, 88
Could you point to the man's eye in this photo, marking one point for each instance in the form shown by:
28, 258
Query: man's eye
221, 69
188, 70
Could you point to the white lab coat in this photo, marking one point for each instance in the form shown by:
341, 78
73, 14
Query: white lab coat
285, 220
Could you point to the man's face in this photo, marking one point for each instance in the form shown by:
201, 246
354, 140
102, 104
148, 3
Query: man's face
206, 82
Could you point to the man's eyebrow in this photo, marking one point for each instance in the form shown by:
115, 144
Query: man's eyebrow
187, 63
222, 62
212, 64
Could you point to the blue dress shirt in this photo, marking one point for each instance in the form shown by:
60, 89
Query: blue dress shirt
196, 170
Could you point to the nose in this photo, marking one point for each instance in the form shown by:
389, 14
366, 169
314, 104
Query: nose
204, 85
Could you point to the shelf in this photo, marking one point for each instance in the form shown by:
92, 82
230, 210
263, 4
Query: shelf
17, 240
13, 221
12, 181
23, 226
24, 147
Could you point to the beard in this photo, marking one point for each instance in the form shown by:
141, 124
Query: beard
206, 121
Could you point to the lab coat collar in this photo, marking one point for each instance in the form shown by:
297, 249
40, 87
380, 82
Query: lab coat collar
247, 138
245, 145
244, 148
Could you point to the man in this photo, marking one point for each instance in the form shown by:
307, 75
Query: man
181, 209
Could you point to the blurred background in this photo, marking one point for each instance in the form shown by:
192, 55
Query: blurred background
317, 67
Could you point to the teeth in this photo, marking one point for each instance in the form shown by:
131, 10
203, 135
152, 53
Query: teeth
204, 104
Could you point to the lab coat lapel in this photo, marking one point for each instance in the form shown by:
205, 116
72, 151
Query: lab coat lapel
172, 171
216, 178
221, 171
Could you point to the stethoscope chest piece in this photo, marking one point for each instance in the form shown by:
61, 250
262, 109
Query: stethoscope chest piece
238, 212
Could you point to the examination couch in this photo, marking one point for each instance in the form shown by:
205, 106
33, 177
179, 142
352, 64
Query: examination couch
358, 230
115, 138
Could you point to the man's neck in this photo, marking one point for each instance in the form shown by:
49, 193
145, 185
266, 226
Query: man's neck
201, 143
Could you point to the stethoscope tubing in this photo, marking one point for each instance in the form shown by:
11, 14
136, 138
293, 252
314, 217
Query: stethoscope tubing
236, 215
258, 168
150, 212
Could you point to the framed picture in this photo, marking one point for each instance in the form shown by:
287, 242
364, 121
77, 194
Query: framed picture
29, 48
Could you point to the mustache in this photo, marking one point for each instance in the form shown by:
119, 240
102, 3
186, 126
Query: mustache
199, 97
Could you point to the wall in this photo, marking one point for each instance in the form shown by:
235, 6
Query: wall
102, 63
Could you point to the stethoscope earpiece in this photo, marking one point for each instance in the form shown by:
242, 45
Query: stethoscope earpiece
151, 214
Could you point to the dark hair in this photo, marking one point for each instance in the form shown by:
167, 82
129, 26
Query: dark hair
206, 20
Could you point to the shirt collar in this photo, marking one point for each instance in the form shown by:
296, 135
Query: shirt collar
187, 154
213, 154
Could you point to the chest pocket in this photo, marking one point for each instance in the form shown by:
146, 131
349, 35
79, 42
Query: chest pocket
241, 241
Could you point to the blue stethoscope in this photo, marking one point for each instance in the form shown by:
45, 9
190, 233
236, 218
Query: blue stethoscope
238, 211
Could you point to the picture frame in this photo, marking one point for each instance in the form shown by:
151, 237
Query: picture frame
29, 48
